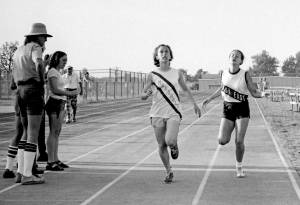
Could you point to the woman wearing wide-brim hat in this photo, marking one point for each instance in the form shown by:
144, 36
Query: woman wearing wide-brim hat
28, 74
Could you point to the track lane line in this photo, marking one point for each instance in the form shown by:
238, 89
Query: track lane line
97, 149
283, 160
106, 187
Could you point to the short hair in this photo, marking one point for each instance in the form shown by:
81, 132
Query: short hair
156, 62
55, 57
242, 55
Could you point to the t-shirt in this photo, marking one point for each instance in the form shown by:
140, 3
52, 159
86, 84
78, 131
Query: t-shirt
71, 81
53, 73
25, 59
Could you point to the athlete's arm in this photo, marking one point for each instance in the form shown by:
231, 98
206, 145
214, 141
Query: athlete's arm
216, 94
147, 91
185, 88
252, 87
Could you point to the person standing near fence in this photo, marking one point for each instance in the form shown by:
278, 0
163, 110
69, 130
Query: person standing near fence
72, 82
55, 108
29, 74
165, 113
236, 83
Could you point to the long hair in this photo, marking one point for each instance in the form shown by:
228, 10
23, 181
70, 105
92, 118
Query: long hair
55, 57
156, 62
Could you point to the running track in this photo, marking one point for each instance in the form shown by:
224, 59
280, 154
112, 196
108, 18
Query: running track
114, 160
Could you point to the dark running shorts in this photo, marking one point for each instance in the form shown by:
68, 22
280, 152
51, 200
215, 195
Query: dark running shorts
236, 110
54, 106
30, 99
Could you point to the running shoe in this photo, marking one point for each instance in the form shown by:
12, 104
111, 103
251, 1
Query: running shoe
8, 174
53, 166
68, 121
61, 164
240, 172
169, 178
33, 179
174, 152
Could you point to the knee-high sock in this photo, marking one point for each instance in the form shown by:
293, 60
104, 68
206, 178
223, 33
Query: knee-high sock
29, 156
20, 156
11, 155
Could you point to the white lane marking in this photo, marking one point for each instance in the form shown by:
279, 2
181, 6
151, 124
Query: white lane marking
289, 172
205, 178
102, 147
106, 187
8, 188
207, 173
81, 116
13, 186
97, 149
144, 167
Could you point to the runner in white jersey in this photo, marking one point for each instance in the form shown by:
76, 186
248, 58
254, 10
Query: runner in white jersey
235, 86
165, 113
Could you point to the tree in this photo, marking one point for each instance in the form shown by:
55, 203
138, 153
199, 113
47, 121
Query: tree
289, 66
298, 62
186, 76
7, 51
264, 64
199, 74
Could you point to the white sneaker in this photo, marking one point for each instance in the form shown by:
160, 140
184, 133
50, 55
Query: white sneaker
240, 172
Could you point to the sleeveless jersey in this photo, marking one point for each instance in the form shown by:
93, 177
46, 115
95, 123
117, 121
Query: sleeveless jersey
160, 107
234, 86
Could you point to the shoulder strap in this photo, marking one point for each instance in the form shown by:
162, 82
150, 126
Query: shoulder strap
168, 100
168, 82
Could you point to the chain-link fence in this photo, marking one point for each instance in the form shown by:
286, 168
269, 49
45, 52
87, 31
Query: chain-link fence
111, 84
98, 85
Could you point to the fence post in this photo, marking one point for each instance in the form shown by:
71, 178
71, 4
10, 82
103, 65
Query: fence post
127, 85
138, 86
121, 84
106, 90
97, 90
109, 74
1, 84
114, 90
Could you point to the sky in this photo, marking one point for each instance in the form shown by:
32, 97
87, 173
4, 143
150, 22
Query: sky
102, 34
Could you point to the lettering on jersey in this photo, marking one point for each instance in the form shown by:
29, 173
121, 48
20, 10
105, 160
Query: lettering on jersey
234, 94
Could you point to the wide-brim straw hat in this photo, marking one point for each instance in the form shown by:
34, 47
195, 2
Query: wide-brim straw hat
38, 29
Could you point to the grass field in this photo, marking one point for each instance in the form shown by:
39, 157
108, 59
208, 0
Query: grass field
285, 125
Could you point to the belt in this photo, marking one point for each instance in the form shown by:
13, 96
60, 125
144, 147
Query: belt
29, 82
